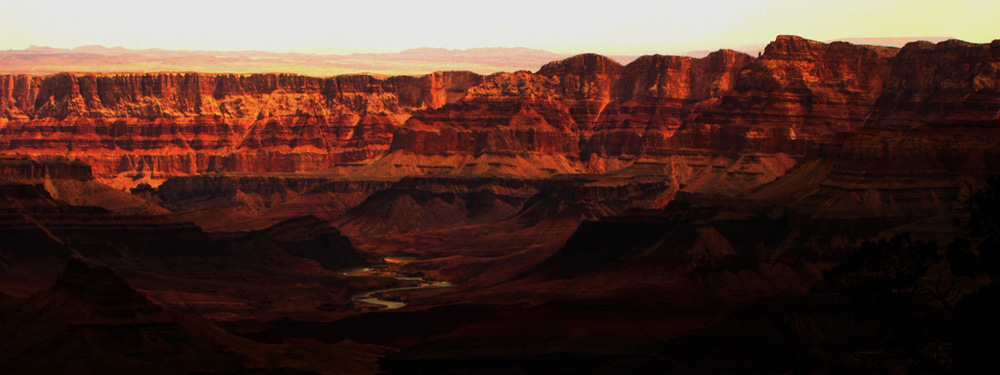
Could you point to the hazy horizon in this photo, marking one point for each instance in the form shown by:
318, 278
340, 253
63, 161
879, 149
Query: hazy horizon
881, 41
624, 28
417, 61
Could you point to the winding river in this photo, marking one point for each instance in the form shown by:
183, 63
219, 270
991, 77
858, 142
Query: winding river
372, 297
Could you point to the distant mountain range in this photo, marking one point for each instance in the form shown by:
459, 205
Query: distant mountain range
418, 61
96, 58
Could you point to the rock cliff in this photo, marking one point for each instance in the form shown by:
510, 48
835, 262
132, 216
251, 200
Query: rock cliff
136, 128
752, 117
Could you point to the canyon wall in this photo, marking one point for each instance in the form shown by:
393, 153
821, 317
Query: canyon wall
728, 119
147, 127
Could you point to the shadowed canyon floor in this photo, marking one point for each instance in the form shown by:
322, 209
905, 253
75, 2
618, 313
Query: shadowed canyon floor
672, 215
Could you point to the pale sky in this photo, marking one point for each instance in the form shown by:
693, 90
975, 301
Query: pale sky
607, 27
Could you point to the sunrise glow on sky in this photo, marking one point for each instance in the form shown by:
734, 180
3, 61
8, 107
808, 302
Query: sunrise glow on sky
608, 27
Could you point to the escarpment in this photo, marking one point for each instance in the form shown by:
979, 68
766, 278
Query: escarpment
135, 128
727, 119
952, 83
694, 119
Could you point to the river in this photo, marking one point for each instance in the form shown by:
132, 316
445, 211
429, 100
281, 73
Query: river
372, 297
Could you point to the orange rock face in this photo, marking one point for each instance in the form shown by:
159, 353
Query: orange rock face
583, 114
135, 128
952, 83
598, 116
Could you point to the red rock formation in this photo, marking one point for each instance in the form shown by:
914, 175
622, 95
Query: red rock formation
951, 83
586, 84
680, 111
583, 114
796, 92
655, 95
25, 169
484, 126
134, 128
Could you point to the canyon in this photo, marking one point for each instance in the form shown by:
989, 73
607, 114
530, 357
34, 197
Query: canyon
672, 213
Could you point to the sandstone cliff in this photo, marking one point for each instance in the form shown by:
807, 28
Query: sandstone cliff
728, 118
138, 128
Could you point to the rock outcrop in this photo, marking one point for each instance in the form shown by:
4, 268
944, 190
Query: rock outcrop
751, 116
90, 320
135, 128
952, 83
50, 218
27, 169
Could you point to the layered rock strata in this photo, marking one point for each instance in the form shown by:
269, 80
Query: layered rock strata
145, 127
587, 113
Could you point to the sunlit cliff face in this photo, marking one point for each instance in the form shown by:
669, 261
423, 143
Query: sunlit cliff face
583, 114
